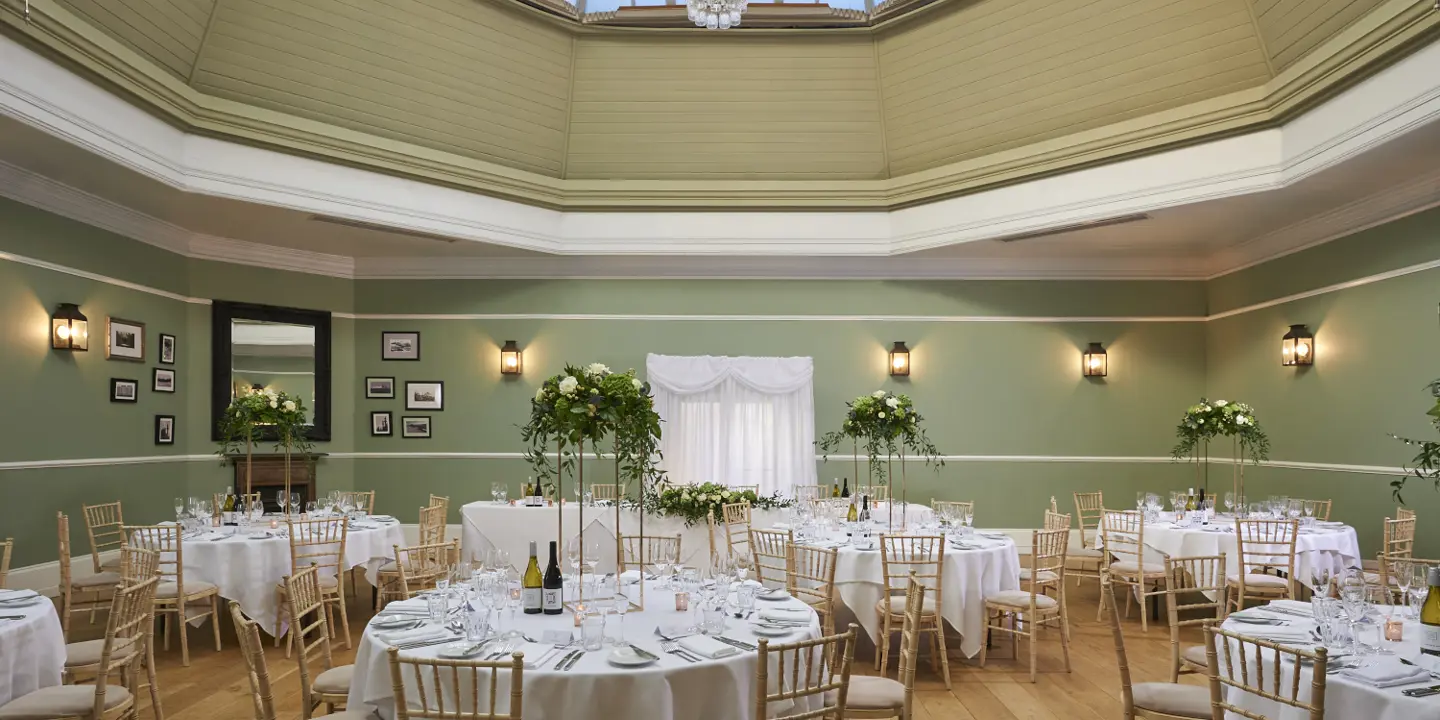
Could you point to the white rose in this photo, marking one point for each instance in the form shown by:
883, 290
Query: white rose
596, 369
1240, 420
882, 416
289, 406
1221, 403
878, 394
568, 385
540, 393
685, 495
725, 494
638, 385
892, 402
274, 403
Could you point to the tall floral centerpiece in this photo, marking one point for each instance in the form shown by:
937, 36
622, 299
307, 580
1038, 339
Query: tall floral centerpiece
1211, 419
251, 415
886, 424
592, 404
1426, 463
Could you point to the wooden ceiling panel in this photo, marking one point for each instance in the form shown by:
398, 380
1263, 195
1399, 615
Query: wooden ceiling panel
168, 32
1292, 28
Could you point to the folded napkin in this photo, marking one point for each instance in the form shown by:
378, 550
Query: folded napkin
429, 632
419, 604
1387, 672
1292, 606
534, 652
708, 647
1283, 634
7, 595
993, 535
382, 518
630, 577
784, 615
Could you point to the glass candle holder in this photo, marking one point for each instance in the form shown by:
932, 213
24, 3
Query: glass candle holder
682, 601
1394, 630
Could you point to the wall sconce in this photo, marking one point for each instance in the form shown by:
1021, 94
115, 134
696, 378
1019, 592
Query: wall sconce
69, 329
1094, 362
1297, 347
512, 361
899, 359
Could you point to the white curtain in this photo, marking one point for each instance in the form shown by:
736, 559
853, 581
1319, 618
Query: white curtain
736, 421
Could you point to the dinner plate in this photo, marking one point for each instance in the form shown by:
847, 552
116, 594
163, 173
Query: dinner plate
777, 595
625, 657
770, 631
460, 650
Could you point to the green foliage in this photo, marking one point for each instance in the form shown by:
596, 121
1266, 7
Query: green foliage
593, 404
254, 412
885, 423
1426, 463
694, 503
1210, 419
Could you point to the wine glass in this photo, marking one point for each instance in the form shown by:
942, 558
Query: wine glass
661, 558
179, 509
1229, 501
1353, 595
1379, 599
621, 606
1293, 509
1139, 501
295, 502
742, 566
282, 499
573, 556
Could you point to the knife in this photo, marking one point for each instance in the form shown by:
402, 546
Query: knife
642, 652
568, 655
574, 659
735, 643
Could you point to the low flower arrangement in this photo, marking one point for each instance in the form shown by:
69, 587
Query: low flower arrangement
694, 503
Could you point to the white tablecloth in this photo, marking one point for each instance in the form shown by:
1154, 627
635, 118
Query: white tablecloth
489, 526
1344, 697
248, 570
32, 650
721, 689
1336, 547
969, 576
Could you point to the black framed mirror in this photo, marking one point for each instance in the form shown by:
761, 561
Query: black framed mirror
263, 346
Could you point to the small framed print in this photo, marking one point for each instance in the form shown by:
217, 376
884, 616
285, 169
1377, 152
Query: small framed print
380, 388
164, 429
425, 395
399, 345
126, 391
124, 340
164, 380
167, 349
415, 427
380, 424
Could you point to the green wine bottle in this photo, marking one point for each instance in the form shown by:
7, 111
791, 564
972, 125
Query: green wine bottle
531, 584
1430, 616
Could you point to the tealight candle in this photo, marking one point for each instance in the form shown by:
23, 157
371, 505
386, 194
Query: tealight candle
682, 600
274, 524
579, 614
1394, 630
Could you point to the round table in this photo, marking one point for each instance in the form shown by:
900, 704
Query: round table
32, 647
247, 569
721, 689
1333, 544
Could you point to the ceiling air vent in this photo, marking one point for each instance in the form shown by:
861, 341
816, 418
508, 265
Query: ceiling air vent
1107, 222
381, 228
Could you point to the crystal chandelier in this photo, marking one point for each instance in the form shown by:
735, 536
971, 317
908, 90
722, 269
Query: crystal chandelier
716, 14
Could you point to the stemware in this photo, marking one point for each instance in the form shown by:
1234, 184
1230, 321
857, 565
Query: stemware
1402, 575
1140, 501
1353, 596
1379, 599
621, 606
282, 499
663, 556
1229, 501
179, 509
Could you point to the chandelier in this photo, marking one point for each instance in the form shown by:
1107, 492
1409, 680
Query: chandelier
716, 14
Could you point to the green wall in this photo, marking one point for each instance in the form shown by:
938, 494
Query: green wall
1009, 387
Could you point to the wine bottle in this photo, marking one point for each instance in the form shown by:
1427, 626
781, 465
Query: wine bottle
845, 492
550, 587
1430, 615
531, 585
227, 509
852, 516
835, 488
864, 508
1190, 500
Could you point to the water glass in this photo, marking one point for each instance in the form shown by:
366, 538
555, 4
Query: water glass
477, 626
745, 598
439, 606
592, 632
712, 620
1367, 638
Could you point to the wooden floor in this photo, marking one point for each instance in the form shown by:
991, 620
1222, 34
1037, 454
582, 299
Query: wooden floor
214, 686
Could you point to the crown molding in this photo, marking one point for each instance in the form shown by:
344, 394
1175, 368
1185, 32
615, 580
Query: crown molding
1390, 29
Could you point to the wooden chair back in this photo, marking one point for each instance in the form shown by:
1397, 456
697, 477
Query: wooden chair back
442, 501
137, 565
419, 566
1398, 539
911, 558
1319, 509
105, 524
310, 627
364, 499
735, 524
1047, 557
1264, 669
807, 492
641, 550
432, 525
1266, 545
811, 578
877, 493
910, 641
5, 549
1127, 696
1193, 580
127, 630
1089, 508
247, 631
165, 540
1123, 532
770, 551
1404, 513
818, 668
605, 491
1056, 521
320, 543
455, 689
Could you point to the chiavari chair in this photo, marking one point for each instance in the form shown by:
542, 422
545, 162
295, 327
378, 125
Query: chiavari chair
1086, 561
920, 558
467, 684
1404, 513
82, 659
641, 550
91, 590
876, 493
1319, 509
1254, 667
247, 631
1056, 521
1151, 700
442, 501
880, 697
309, 631
177, 600
605, 491
1032, 609
770, 552
1199, 582
811, 579
1263, 546
1123, 561
1397, 544
320, 544
818, 668
120, 652
431, 532
105, 524
364, 499
5, 549
1048, 580
735, 524
418, 567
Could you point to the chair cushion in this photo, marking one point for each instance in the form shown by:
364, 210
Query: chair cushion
326, 582
1261, 581
192, 588
111, 564
1020, 599
80, 654
868, 692
1374, 579
350, 715
1196, 654
104, 579
1087, 553
62, 701
1130, 567
389, 567
898, 604
1045, 575
335, 681
1173, 699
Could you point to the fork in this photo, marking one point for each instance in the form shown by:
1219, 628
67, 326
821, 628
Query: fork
673, 648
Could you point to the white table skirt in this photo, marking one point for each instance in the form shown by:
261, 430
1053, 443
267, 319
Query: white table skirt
721, 689
1337, 548
32, 650
248, 571
969, 577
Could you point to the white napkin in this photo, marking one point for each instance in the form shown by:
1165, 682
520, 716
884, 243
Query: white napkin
533, 653
6, 595
784, 615
1285, 634
708, 647
429, 632
992, 535
1293, 606
630, 577
412, 605
1387, 672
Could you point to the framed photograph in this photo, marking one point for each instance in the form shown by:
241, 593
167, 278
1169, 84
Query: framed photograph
127, 391
399, 345
380, 424
124, 340
167, 349
415, 427
425, 395
380, 388
164, 429
164, 380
